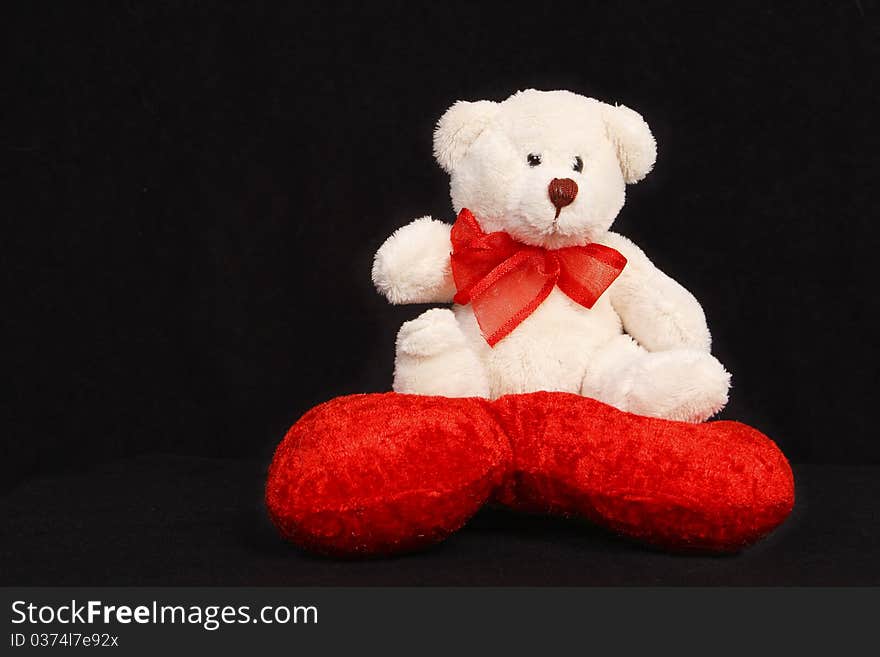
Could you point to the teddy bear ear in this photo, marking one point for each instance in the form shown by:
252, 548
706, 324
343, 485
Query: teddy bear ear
636, 148
458, 128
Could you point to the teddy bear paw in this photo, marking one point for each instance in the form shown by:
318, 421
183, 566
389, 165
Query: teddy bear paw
429, 334
434, 358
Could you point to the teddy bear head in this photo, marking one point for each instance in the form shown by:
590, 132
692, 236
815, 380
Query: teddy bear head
549, 168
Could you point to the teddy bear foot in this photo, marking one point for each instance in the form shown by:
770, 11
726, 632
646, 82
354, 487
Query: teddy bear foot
681, 384
434, 358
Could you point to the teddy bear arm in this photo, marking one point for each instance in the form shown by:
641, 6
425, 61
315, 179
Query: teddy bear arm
413, 265
655, 309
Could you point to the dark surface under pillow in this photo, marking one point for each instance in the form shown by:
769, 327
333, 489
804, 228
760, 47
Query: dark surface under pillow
172, 520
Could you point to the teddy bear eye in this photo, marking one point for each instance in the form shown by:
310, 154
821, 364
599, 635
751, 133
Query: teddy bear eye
533, 159
578, 164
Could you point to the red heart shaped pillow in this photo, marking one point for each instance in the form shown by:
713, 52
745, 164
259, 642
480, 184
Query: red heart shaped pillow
384, 473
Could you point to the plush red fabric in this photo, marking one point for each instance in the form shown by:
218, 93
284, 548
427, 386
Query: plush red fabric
384, 473
717, 486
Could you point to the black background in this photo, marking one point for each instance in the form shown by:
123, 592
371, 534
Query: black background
194, 194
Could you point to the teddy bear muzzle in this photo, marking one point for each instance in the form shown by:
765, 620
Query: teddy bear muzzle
562, 192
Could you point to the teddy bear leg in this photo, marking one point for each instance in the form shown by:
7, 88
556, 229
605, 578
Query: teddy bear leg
678, 384
434, 358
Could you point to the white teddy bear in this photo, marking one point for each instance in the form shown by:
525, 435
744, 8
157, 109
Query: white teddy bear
549, 169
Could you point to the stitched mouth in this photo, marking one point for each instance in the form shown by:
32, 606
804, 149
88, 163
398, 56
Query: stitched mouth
554, 228
542, 227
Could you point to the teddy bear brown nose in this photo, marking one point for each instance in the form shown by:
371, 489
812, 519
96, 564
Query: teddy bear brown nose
562, 192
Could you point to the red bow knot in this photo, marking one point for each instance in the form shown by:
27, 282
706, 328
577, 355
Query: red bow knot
505, 281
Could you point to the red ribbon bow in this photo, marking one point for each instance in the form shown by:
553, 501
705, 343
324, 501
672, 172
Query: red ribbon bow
505, 281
